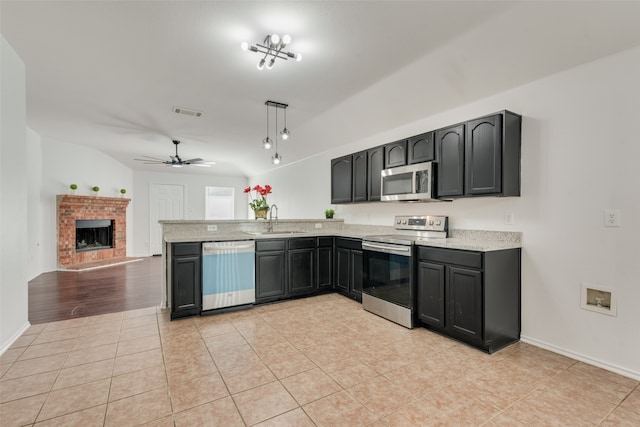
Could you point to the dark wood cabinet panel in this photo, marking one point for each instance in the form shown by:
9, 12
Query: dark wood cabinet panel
343, 269
270, 275
483, 156
421, 148
186, 281
324, 271
348, 267
431, 293
356, 273
395, 154
359, 178
375, 163
302, 271
472, 296
450, 154
341, 176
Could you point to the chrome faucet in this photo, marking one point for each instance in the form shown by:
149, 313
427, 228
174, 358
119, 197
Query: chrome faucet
270, 224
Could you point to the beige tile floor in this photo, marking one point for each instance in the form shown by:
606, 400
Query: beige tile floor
317, 361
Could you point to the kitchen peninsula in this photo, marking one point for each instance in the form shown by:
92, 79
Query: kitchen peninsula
305, 257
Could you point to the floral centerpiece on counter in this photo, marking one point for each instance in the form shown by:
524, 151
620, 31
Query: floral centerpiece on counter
259, 200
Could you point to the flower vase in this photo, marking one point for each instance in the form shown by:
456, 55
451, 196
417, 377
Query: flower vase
261, 213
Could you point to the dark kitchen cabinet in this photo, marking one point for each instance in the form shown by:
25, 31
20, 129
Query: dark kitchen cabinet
302, 261
421, 148
271, 274
324, 272
471, 296
186, 283
341, 176
395, 154
450, 154
359, 177
348, 267
375, 164
480, 157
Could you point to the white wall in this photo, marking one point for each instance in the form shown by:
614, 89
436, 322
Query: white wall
35, 203
13, 197
580, 151
64, 164
194, 195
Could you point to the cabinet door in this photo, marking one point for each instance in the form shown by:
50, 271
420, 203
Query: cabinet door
301, 271
431, 293
483, 156
341, 170
464, 301
343, 269
270, 275
186, 286
450, 154
395, 154
325, 267
356, 274
359, 178
421, 148
375, 164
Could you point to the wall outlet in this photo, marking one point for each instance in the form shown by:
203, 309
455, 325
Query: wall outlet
508, 218
318, 225
612, 218
212, 227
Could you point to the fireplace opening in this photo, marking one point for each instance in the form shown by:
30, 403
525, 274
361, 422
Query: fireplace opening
93, 235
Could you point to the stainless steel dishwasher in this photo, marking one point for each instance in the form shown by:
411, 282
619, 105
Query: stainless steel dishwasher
228, 274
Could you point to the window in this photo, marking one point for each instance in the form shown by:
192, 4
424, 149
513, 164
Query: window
218, 203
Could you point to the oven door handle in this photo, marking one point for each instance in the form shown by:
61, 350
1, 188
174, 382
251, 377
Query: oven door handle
389, 249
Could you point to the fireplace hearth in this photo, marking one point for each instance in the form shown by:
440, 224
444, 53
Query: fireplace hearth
91, 229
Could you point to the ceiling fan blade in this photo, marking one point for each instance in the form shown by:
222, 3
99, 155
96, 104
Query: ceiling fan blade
193, 160
151, 158
204, 165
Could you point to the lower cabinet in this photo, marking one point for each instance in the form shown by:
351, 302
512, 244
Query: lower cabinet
471, 296
286, 268
324, 270
348, 267
186, 283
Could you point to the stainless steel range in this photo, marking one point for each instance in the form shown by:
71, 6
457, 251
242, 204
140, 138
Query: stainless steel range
389, 288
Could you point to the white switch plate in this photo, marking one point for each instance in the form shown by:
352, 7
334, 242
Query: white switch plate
508, 218
612, 218
212, 228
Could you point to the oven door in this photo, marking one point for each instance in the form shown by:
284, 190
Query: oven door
388, 273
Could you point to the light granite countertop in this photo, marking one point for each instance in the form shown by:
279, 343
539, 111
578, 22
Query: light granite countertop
194, 231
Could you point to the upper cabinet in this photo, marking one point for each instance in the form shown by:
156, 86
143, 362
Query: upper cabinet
421, 148
480, 157
395, 154
359, 177
375, 164
341, 170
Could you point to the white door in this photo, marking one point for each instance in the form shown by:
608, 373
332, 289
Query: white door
166, 202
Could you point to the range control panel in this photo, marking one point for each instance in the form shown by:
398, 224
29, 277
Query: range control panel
422, 223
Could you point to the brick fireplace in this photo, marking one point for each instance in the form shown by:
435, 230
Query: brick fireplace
72, 208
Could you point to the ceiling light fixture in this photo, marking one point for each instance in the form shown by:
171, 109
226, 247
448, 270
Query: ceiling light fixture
276, 159
272, 47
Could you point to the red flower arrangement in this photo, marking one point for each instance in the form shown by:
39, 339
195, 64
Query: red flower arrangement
260, 199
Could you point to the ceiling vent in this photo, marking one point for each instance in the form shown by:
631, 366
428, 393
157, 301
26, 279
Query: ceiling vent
187, 111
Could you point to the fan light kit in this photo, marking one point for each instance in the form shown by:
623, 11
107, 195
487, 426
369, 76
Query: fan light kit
272, 47
276, 159
175, 161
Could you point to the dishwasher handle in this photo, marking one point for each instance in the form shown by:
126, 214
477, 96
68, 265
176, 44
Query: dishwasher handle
226, 247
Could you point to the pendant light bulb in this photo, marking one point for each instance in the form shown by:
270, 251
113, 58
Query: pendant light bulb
286, 39
271, 63
285, 134
261, 64
267, 143
244, 46
275, 39
276, 159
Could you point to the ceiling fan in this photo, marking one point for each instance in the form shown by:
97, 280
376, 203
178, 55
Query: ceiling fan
175, 161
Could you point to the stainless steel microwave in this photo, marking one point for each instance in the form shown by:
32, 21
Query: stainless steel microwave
408, 183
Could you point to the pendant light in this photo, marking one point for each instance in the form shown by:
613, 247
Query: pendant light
267, 142
276, 158
285, 134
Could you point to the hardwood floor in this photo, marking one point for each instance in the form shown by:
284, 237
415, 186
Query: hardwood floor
62, 295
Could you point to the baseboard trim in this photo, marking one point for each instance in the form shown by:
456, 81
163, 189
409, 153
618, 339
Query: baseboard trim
14, 338
586, 359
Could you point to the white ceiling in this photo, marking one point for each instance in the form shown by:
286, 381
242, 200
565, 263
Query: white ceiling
106, 74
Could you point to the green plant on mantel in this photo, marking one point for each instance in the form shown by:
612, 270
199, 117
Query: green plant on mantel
74, 187
123, 191
95, 189
329, 213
